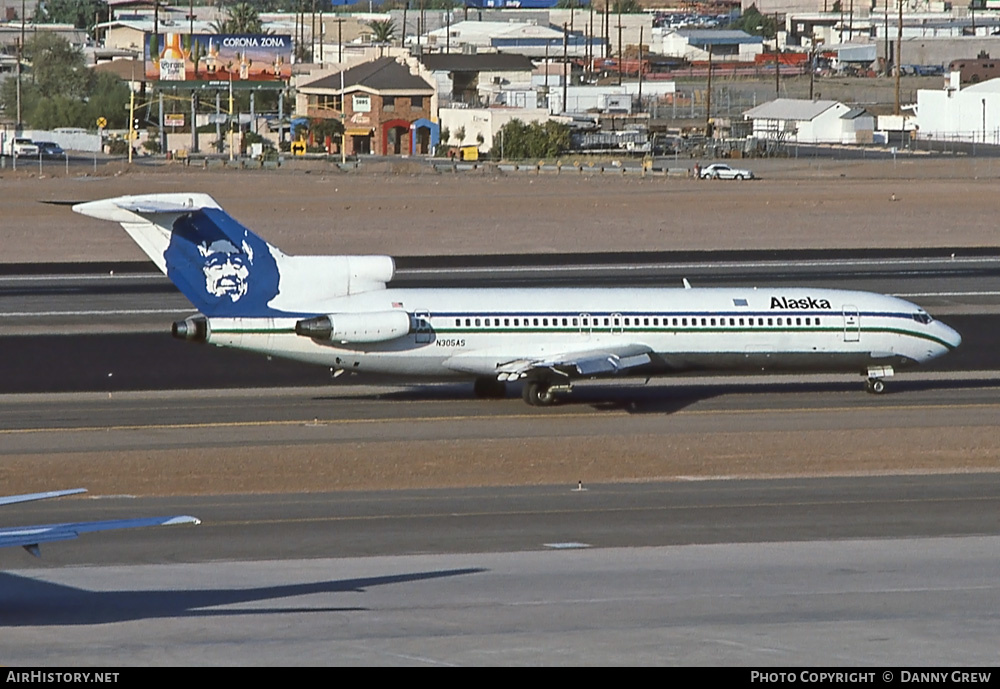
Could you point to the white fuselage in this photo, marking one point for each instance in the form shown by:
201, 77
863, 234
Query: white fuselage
473, 332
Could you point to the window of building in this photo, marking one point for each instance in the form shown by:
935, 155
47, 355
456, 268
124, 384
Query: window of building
417, 102
388, 103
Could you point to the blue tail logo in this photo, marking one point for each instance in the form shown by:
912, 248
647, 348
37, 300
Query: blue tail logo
221, 266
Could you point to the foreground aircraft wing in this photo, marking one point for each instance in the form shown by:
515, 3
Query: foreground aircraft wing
30, 497
30, 537
584, 363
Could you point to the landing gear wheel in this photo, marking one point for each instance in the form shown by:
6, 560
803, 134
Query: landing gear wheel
486, 387
537, 393
876, 386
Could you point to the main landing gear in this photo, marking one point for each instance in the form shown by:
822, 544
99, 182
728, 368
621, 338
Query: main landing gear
543, 393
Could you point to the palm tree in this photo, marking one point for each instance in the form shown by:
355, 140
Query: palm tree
242, 19
383, 30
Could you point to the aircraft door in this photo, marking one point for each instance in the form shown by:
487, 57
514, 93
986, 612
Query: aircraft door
586, 324
422, 327
852, 324
617, 324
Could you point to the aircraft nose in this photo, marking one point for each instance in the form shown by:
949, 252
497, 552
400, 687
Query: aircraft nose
950, 336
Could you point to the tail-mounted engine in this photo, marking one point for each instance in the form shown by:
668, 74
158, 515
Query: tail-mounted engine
350, 328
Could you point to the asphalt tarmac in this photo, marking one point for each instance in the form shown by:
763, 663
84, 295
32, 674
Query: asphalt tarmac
879, 571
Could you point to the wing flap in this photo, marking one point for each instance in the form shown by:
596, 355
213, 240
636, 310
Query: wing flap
592, 362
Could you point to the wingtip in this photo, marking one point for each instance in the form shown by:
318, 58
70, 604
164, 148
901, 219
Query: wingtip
184, 519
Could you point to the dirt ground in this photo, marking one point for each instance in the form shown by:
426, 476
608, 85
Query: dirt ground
495, 462
406, 210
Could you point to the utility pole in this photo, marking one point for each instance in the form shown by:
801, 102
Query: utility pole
590, 45
132, 131
621, 55
340, 41
708, 95
343, 120
565, 64
607, 28
886, 38
812, 66
20, 56
897, 62
777, 61
640, 67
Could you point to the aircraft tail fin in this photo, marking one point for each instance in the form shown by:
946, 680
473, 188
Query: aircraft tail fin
223, 268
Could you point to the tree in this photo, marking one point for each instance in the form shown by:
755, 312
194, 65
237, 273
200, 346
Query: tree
57, 67
756, 24
108, 99
241, 18
62, 91
323, 128
533, 141
626, 7
383, 30
79, 13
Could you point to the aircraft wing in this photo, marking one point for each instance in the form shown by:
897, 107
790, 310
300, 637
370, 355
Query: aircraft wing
583, 363
30, 537
29, 497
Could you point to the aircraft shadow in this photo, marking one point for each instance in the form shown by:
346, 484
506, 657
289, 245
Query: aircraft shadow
676, 396
29, 602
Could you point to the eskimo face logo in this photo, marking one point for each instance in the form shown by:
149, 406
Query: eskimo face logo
226, 268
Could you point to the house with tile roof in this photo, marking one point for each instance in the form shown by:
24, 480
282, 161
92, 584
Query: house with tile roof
386, 107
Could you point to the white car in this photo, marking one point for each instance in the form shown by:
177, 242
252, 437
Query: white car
23, 147
723, 171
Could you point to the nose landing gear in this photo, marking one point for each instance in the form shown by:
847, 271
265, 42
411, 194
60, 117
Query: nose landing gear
876, 385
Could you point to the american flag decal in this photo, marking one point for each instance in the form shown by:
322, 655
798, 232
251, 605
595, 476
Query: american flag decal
397, 304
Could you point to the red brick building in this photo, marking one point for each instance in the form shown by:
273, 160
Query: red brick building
387, 110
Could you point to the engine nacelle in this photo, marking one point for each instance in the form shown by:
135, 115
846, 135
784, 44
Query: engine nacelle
373, 326
194, 329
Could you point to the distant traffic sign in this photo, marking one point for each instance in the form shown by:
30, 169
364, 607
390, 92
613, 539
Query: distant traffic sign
298, 147
102, 122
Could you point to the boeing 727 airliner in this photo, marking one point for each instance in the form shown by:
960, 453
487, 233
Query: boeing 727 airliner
337, 311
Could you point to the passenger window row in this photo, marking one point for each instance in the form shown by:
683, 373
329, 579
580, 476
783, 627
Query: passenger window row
637, 322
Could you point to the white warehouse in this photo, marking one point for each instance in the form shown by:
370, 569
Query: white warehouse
969, 114
811, 121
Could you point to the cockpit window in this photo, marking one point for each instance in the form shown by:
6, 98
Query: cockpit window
921, 317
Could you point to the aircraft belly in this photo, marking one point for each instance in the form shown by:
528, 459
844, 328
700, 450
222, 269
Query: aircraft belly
770, 360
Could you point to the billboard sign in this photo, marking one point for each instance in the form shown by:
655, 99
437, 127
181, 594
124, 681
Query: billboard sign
201, 60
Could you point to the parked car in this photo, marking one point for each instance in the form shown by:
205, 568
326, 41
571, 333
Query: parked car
723, 171
50, 149
23, 147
